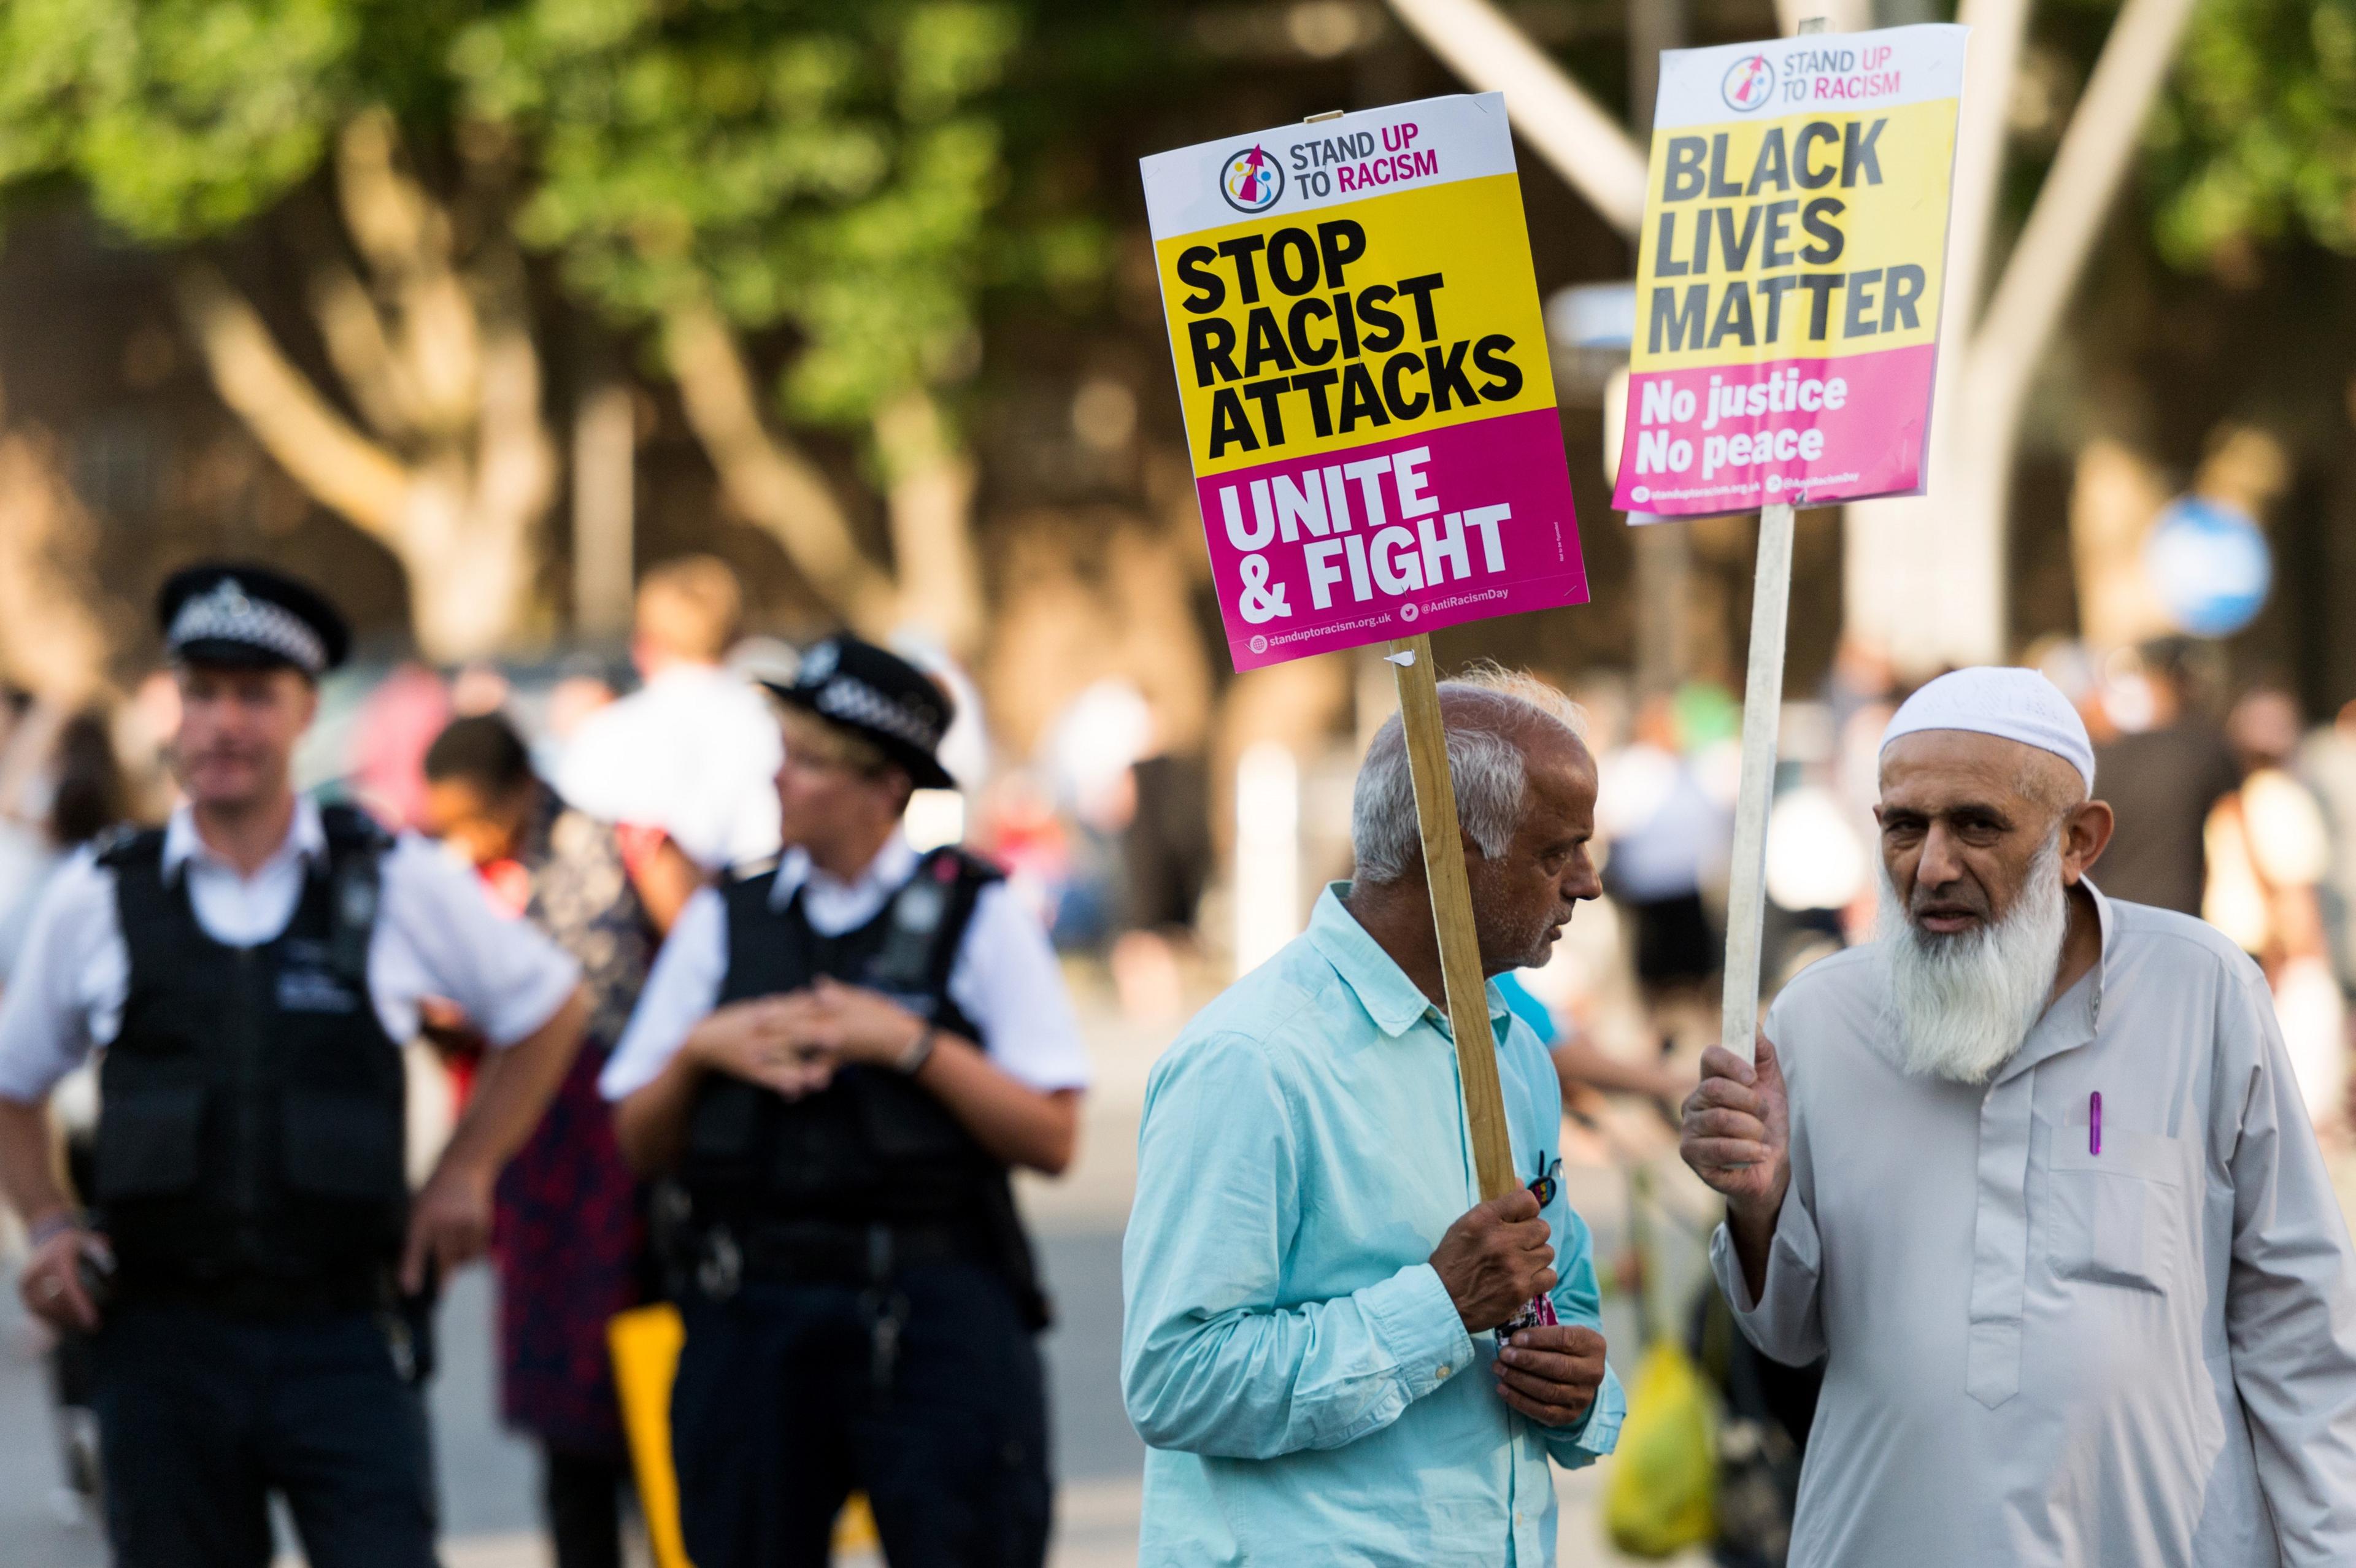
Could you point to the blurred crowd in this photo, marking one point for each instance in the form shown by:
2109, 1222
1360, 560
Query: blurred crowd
593, 794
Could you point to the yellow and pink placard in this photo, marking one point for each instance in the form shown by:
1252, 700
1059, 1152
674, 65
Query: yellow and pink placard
1362, 364
1788, 283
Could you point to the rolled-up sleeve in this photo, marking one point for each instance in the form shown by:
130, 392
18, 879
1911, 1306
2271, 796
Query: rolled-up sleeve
505, 973
1006, 979
1212, 1363
1579, 1300
2290, 1308
680, 991
73, 954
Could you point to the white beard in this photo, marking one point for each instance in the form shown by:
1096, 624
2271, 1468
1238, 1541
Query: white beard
1965, 1004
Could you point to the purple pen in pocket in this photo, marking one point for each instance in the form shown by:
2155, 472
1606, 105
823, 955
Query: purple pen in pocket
2095, 1121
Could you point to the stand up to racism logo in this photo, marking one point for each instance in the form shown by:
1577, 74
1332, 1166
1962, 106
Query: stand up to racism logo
1251, 180
1750, 82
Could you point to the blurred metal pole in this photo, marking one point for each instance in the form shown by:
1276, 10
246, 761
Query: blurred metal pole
1582, 142
1653, 25
605, 522
1663, 553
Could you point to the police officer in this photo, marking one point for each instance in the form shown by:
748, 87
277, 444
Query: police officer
836, 1062
249, 970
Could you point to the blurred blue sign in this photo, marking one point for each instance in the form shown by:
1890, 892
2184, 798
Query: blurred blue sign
2209, 564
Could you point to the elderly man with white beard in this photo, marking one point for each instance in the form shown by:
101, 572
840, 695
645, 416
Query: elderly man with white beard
2032, 1174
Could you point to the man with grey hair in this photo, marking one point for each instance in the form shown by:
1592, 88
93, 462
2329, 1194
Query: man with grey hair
2032, 1173
1315, 1293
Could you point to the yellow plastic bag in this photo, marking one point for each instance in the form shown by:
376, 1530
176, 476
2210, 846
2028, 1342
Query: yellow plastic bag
1662, 1495
646, 1343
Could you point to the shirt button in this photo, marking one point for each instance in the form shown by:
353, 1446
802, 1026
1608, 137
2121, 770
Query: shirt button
1442, 1369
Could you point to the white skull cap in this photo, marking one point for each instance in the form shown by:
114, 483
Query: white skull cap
1992, 700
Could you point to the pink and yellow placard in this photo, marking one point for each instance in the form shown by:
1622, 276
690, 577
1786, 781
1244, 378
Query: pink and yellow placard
1789, 282
1362, 366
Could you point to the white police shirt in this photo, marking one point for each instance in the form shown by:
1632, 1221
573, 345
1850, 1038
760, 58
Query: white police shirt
436, 935
1004, 976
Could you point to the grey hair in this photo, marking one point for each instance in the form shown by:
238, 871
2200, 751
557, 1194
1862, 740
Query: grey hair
1484, 753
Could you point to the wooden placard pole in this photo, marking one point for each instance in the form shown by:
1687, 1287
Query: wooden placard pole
1763, 705
1762, 702
1451, 912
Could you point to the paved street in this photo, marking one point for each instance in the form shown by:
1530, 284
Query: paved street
487, 1476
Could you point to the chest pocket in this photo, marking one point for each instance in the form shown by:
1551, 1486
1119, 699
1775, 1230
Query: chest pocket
2117, 1215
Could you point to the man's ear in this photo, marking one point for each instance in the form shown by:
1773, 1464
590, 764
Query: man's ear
2086, 834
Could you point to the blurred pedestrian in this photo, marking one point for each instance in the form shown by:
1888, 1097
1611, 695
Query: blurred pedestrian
1665, 831
1311, 1278
691, 754
2032, 1174
2269, 851
249, 971
568, 1235
2161, 775
836, 1064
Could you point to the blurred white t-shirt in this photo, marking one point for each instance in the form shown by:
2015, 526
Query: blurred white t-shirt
694, 753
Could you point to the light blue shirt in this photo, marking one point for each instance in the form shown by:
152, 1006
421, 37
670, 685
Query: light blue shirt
1306, 1387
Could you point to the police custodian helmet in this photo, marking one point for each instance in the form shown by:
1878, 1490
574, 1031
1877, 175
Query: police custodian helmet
879, 697
248, 616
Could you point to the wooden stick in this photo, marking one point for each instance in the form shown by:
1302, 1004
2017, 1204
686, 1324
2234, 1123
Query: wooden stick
1451, 914
1762, 702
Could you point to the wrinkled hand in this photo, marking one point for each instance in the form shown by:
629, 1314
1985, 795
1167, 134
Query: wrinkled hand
1738, 1131
1550, 1373
1494, 1259
850, 1024
449, 1224
51, 1283
763, 1040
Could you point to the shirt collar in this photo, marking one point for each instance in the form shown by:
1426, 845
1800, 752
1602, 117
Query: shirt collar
1395, 1002
894, 865
307, 838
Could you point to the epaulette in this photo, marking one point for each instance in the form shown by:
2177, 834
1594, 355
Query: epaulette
348, 828
127, 843
955, 862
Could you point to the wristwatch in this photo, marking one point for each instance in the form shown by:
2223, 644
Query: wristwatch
920, 1050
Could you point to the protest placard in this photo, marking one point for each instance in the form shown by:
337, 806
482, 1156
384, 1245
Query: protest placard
1789, 281
1362, 366
1370, 413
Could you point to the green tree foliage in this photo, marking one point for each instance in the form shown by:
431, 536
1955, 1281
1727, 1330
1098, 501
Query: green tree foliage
2256, 140
830, 167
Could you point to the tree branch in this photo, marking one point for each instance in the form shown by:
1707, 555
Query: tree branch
404, 235
2046, 264
929, 485
354, 333
1570, 130
776, 487
310, 440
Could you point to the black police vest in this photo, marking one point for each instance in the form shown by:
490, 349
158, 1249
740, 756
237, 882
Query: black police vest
872, 1148
251, 1108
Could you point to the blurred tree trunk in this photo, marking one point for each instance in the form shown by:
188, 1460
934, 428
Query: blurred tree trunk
452, 467
934, 581
2115, 494
54, 639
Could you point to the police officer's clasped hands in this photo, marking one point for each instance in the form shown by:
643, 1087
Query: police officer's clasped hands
792, 1042
759, 1040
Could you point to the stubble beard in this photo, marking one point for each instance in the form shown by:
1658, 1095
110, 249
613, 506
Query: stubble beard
1964, 1005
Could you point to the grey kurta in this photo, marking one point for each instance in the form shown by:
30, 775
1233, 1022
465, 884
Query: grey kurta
2039, 1354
